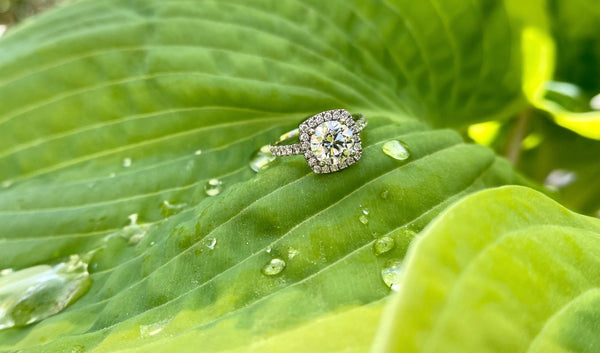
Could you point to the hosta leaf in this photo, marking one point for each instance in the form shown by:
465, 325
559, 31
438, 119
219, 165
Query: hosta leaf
121, 111
504, 270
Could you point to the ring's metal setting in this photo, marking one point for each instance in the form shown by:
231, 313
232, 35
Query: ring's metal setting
329, 141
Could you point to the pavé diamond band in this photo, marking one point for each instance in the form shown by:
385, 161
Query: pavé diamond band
329, 141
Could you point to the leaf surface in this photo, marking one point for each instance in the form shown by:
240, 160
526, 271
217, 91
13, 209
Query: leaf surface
502, 270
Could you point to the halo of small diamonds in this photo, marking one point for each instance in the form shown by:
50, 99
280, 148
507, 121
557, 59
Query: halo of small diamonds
330, 141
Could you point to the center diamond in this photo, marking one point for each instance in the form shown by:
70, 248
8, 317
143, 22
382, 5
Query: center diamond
332, 142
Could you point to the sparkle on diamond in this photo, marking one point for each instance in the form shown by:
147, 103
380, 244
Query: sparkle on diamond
332, 142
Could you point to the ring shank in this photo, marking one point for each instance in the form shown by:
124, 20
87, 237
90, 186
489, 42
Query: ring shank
286, 150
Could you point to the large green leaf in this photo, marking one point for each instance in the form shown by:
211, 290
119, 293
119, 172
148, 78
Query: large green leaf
504, 270
105, 105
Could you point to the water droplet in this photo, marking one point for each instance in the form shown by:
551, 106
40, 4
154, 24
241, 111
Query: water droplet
6, 271
127, 162
153, 329
133, 232
213, 187
7, 183
396, 150
384, 194
268, 250
363, 219
212, 243
559, 178
383, 245
292, 253
261, 159
198, 152
365, 211
152, 243
391, 274
168, 209
35, 293
273, 267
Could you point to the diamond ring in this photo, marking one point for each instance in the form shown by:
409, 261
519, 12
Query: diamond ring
329, 141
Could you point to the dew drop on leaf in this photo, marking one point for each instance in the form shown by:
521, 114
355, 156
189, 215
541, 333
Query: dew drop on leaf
212, 243
168, 209
213, 187
273, 267
198, 152
396, 150
133, 232
391, 273
363, 219
260, 159
127, 162
35, 293
383, 245
153, 329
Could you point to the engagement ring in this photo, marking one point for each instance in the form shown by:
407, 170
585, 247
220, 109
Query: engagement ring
329, 141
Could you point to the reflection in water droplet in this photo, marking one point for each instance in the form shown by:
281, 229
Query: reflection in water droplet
133, 232
383, 245
260, 159
391, 273
363, 219
7, 183
213, 187
198, 152
153, 329
396, 150
384, 194
34, 293
127, 162
292, 253
212, 243
365, 211
168, 209
559, 178
273, 267
268, 250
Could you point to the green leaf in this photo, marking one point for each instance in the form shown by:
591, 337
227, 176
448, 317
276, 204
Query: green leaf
503, 270
107, 105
